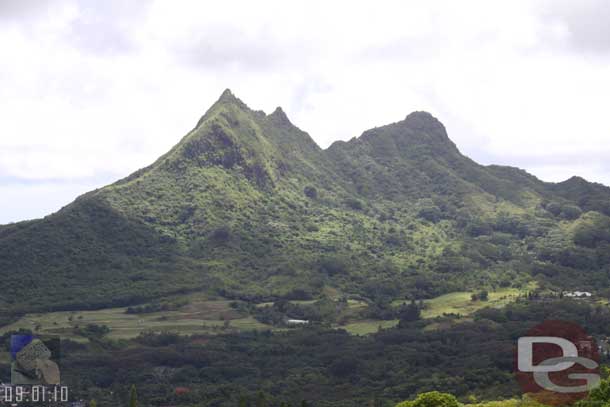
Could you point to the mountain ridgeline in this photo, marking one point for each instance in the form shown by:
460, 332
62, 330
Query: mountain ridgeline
247, 206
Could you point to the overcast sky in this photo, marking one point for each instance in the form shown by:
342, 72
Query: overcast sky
92, 90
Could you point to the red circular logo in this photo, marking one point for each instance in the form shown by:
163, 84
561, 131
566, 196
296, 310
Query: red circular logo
557, 363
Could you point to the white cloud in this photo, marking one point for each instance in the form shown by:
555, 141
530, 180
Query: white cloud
95, 91
23, 201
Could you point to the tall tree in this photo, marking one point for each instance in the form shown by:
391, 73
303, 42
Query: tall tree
133, 396
261, 400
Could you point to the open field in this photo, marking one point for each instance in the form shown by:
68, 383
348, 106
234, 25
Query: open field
197, 317
298, 302
208, 316
460, 303
368, 326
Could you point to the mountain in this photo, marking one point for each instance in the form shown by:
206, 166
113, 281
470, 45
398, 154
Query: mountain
246, 205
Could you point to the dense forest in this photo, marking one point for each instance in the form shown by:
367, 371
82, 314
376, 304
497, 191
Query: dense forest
248, 207
471, 359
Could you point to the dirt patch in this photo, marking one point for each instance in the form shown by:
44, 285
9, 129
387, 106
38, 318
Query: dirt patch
209, 310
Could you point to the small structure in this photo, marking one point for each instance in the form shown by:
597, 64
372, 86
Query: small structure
585, 346
604, 346
297, 322
577, 294
182, 390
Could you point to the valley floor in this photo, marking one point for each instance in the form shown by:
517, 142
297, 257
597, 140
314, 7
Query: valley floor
202, 315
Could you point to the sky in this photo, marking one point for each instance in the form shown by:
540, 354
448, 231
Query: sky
90, 91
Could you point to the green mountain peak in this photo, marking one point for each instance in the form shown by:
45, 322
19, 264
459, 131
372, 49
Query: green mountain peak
247, 205
425, 122
227, 100
227, 96
280, 117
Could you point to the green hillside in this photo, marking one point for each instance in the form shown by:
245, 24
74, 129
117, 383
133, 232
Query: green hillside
248, 207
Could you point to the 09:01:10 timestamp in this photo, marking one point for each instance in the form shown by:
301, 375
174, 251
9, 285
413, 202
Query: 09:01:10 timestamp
33, 394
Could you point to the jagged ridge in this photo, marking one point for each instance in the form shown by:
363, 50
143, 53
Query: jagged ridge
247, 205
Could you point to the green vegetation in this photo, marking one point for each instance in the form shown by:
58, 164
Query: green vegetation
461, 303
200, 316
431, 399
248, 207
133, 397
367, 327
414, 267
437, 399
471, 360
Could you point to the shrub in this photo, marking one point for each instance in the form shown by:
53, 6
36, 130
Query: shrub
92, 331
344, 367
312, 227
432, 399
310, 192
430, 213
221, 234
482, 295
593, 232
571, 212
354, 204
409, 313
478, 227
333, 265
554, 208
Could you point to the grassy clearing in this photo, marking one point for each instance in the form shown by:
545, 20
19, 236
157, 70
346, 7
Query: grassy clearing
198, 317
298, 302
204, 316
368, 326
460, 303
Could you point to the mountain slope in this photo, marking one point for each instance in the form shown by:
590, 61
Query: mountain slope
247, 205
415, 158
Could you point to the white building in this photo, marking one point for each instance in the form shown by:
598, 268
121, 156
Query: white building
297, 322
577, 294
